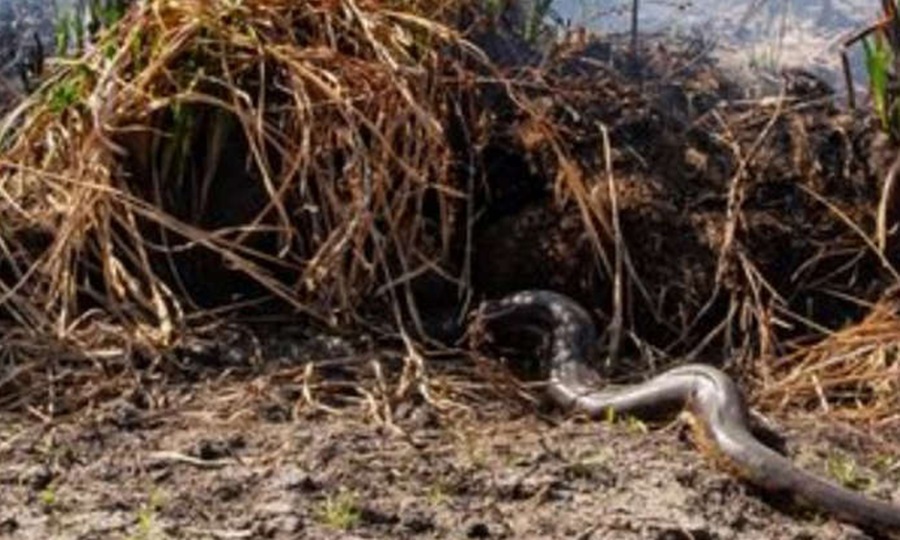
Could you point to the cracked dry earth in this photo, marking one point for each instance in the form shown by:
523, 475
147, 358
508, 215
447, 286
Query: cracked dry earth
202, 467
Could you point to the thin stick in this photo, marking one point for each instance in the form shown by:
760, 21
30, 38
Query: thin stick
634, 30
615, 326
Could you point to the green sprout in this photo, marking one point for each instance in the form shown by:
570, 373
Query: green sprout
846, 471
146, 523
880, 43
879, 58
340, 511
48, 497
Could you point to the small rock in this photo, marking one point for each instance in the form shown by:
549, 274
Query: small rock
211, 450
41, 477
478, 530
8, 526
418, 523
378, 517
292, 478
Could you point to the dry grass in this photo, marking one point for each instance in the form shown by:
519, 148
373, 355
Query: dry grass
341, 105
112, 169
854, 374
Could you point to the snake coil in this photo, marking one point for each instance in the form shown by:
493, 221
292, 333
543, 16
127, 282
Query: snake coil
717, 409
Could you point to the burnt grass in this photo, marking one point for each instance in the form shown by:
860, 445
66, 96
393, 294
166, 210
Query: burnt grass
720, 207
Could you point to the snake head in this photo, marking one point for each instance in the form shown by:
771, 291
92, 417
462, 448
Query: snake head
528, 326
523, 308
509, 319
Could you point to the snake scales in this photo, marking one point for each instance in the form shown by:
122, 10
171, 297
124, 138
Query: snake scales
717, 409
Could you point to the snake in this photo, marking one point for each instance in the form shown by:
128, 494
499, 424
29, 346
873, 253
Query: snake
716, 409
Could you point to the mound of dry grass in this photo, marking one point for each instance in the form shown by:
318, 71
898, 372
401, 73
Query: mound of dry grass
203, 149
129, 157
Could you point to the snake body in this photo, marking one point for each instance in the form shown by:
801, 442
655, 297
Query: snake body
718, 412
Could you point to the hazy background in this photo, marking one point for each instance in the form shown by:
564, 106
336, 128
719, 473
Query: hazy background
766, 34
749, 34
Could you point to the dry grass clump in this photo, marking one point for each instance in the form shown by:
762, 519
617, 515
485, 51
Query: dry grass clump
853, 374
213, 153
127, 166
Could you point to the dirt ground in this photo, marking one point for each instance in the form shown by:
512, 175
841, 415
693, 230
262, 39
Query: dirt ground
229, 459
